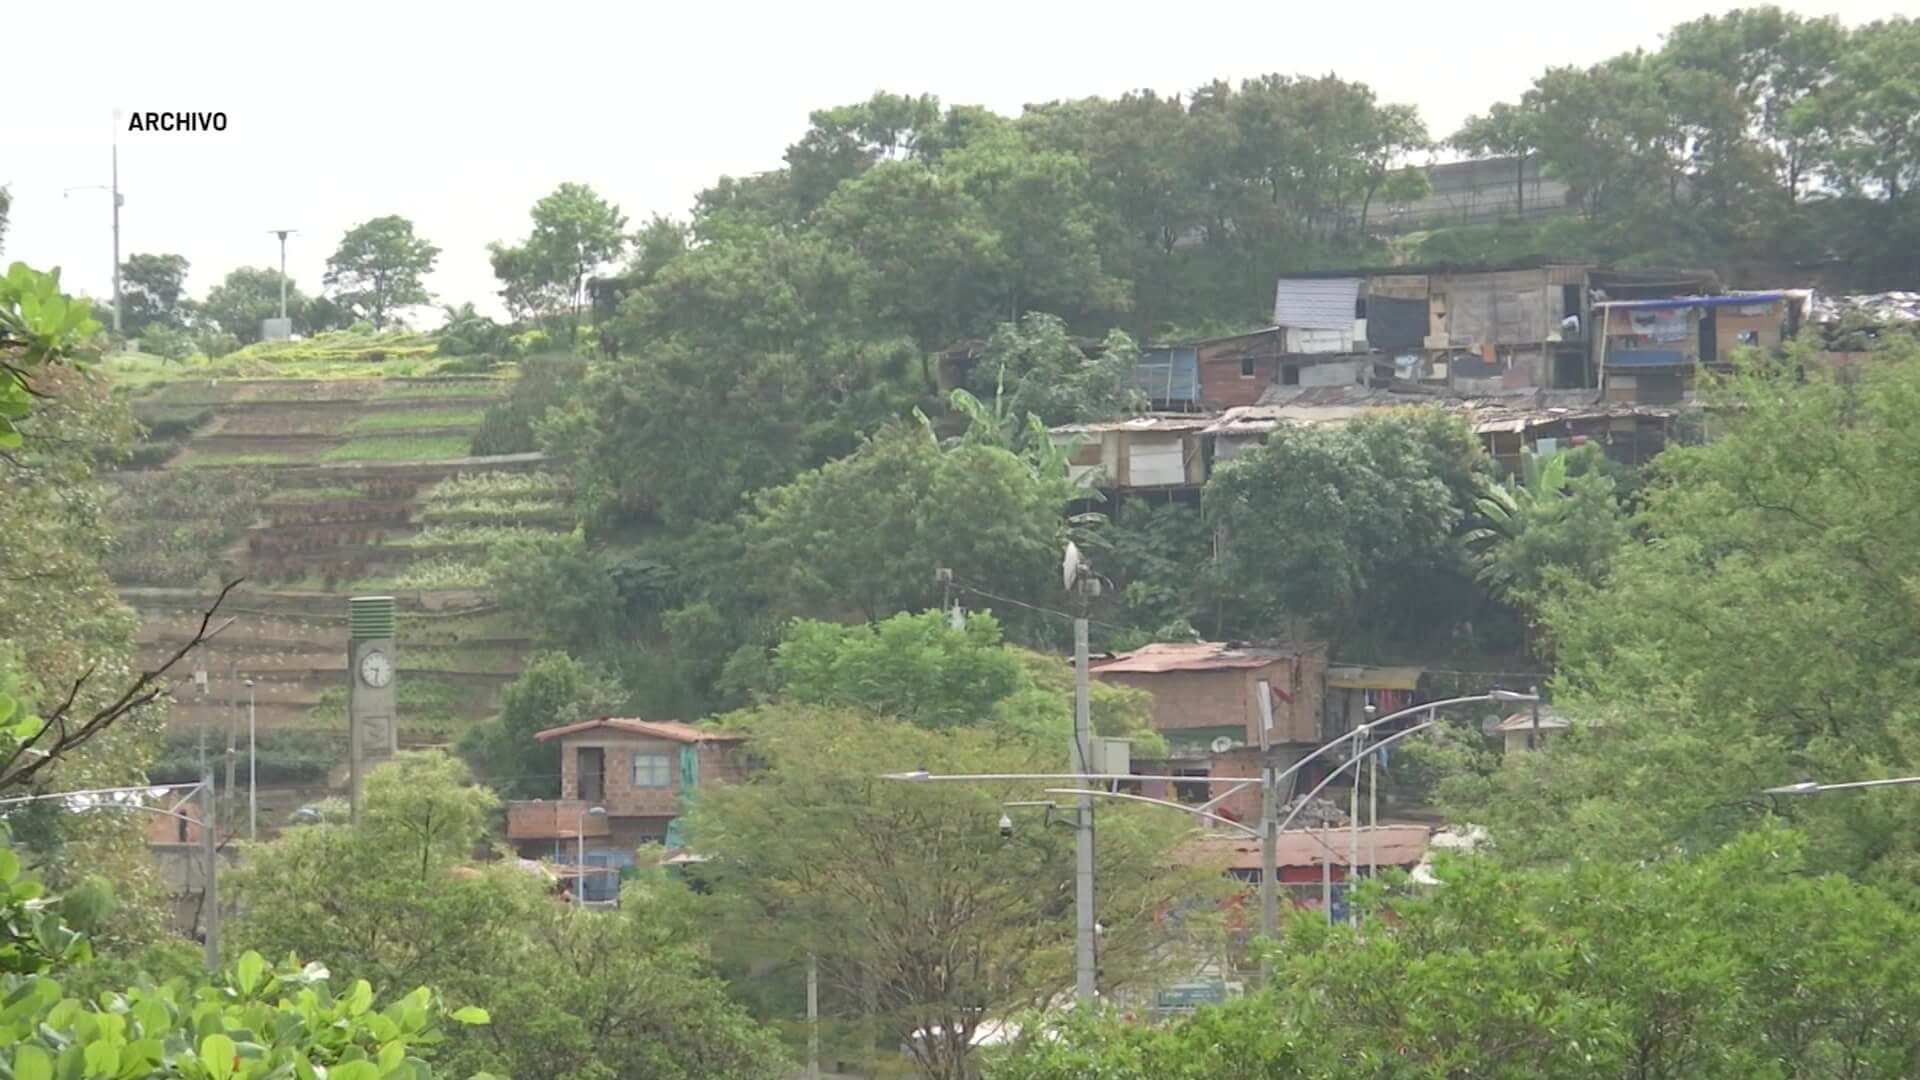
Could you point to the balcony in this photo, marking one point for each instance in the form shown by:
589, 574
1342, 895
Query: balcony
543, 819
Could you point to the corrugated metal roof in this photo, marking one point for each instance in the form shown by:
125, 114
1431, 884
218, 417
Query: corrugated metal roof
1523, 721
1316, 303
1191, 656
1392, 845
670, 730
1729, 300
1166, 424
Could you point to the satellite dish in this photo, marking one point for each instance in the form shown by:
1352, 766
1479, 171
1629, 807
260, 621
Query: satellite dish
1071, 566
1223, 744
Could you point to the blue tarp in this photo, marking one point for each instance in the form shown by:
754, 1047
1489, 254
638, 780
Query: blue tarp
1168, 375
1697, 301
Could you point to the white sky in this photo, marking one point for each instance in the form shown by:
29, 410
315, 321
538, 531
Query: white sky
459, 116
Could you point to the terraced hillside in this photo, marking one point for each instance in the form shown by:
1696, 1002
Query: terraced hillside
314, 491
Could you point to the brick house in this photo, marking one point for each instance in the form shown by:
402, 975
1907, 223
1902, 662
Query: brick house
1206, 704
639, 772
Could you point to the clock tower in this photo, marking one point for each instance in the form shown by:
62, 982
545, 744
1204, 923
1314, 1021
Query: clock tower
371, 733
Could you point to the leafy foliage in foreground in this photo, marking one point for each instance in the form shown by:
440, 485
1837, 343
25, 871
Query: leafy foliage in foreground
251, 1022
1726, 966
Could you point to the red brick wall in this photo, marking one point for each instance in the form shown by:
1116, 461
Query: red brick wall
719, 764
1222, 385
622, 798
1244, 806
527, 820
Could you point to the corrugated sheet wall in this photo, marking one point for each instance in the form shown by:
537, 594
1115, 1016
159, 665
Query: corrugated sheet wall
1169, 375
1316, 303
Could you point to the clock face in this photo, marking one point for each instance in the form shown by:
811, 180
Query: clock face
375, 669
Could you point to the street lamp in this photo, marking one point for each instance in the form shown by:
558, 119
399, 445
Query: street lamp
1813, 787
580, 868
253, 771
1270, 781
209, 850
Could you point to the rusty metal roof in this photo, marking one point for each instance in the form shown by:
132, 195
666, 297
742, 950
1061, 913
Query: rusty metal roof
670, 730
1390, 845
1148, 423
1192, 656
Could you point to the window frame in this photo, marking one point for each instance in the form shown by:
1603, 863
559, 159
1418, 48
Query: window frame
649, 756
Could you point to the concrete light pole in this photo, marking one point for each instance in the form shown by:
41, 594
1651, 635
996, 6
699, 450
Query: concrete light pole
580, 868
253, 771
118, 202
283, 234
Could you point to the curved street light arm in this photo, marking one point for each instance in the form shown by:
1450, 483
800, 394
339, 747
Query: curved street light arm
1182, 807
1343, 766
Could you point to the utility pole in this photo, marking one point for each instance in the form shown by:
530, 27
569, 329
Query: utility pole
116, 221
1373, 813
233, 724
253, 772
210, 850
1269, 818
1533, 733
1353, 827
283, 234
1084, 981
813, 1018
114, 191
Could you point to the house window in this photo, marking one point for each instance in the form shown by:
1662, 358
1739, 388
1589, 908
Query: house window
1246, 367
1290, 375
652, 770
1189, 792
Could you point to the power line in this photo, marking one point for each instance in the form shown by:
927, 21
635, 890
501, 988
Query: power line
1055, 612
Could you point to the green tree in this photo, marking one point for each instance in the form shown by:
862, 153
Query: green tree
380, 900
1339, 527
920, 915
576, 232
249, 1022
1043, 372
245, 297
911, 666
1687, 966
1503, 131
1764, 630
862, 536
379, 266
553, 691
1560, 513
399, 895
615, 994
154, 288
930, 260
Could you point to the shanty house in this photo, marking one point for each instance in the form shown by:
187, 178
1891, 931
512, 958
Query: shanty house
1651, 348
638, 772
1145, 453
1207, 705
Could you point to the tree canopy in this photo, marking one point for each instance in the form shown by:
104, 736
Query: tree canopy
378, 268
